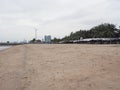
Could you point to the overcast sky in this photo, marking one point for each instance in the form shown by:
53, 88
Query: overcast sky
19, 18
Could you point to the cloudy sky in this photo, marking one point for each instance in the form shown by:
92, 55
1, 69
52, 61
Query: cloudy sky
19, 18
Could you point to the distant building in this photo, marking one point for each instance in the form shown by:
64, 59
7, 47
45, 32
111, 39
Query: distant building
47, 39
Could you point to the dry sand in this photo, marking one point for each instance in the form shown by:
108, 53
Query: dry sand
60, 67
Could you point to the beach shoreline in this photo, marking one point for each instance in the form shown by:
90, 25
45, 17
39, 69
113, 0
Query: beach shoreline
4, 47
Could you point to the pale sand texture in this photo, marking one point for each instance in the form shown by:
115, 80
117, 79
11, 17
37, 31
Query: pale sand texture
60, 67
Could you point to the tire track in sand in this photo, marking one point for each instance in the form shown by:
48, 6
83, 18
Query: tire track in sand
27, 69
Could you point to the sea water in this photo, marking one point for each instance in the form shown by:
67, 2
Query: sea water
4, 47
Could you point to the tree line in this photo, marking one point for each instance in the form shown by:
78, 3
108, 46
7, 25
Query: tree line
105, 30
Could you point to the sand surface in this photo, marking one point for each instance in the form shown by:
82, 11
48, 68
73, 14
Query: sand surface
60, 67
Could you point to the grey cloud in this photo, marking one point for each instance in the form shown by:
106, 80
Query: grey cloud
53, 16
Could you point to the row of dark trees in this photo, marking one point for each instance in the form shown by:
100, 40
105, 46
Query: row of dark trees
105, 30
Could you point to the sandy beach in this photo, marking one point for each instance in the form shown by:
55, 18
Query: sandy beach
60, 67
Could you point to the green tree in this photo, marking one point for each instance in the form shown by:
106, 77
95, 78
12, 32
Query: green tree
105, 30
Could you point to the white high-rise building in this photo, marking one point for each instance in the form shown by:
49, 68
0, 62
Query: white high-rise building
47, 39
